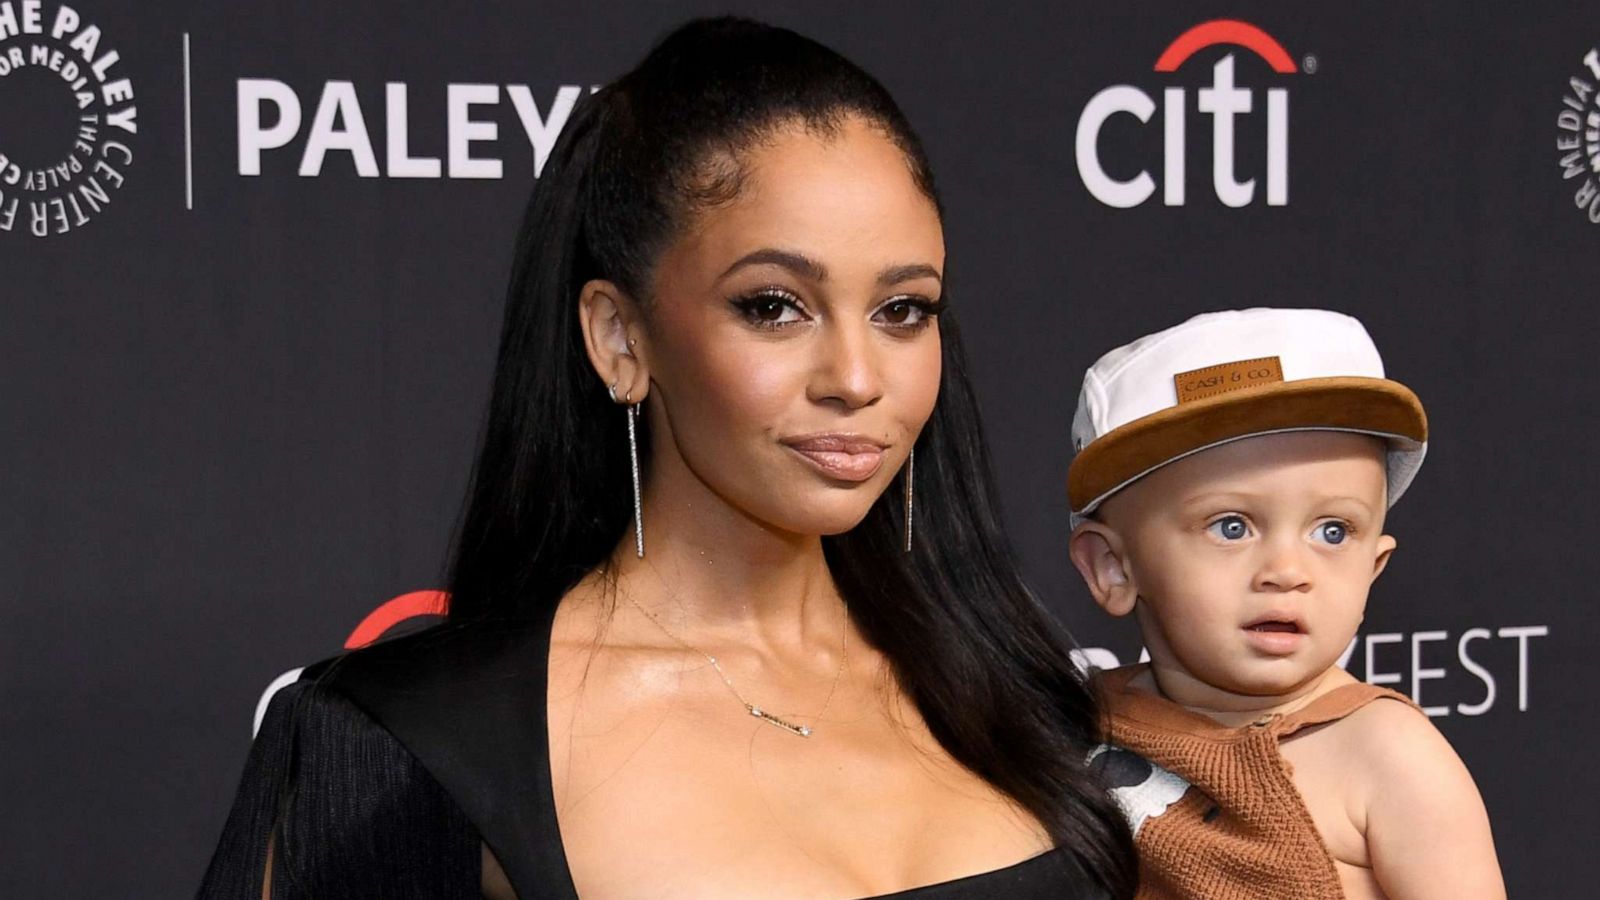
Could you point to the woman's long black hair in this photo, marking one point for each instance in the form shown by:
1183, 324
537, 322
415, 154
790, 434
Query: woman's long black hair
550, 499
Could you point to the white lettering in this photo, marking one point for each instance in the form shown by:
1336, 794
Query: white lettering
1471, 665
1174, 176
1119, 99
104, 63
252, 94
1522, 633
465, 131
542, 133
86, 43
1277, 147
66, 22
1374, 676
120, 148
117, 91
124, 119
401, 164
1419, 674
338, 104
1222, 101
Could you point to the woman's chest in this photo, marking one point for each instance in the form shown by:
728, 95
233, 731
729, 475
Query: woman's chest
683, 795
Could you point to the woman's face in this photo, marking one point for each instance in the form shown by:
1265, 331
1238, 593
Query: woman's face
793, 353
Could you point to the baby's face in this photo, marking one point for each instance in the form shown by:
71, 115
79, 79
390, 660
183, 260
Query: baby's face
1252, 560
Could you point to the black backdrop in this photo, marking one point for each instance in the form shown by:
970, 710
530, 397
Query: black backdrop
236, 410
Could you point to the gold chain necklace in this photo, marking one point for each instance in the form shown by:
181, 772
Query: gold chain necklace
754, 710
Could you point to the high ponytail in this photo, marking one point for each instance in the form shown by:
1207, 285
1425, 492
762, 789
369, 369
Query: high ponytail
540, 511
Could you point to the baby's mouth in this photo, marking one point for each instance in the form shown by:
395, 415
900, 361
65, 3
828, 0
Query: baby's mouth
1278, 626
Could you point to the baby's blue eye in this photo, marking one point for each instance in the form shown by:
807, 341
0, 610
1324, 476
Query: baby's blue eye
1230, 528
1332, 532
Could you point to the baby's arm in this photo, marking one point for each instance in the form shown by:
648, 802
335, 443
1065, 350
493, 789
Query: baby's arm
1426, 828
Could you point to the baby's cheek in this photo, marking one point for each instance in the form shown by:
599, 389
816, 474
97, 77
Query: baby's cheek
1199, 632
1194, 614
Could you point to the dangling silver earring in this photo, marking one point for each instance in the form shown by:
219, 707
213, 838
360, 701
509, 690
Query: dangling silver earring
633, 465
911, 475
633, 459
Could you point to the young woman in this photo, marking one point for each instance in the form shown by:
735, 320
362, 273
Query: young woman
731, 615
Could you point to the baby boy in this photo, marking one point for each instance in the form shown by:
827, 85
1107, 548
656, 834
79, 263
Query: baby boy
1232, 478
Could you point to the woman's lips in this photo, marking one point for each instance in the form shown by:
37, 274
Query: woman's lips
840, 456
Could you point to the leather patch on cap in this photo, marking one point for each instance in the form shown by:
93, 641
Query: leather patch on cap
1198, 384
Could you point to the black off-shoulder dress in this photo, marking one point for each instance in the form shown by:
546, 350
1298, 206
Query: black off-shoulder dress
387, 766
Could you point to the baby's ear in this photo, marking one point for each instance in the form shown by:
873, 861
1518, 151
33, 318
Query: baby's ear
1386, 545
1097, 552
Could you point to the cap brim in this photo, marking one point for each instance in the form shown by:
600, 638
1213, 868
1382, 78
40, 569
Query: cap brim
1375, 406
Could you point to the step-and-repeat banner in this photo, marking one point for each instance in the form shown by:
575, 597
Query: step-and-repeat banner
251, 263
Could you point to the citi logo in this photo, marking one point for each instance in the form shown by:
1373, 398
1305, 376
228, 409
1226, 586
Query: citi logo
1222, 101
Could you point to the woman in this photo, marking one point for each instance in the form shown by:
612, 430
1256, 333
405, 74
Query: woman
715, 631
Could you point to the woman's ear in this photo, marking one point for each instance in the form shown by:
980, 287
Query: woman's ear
614, 336
1100, 557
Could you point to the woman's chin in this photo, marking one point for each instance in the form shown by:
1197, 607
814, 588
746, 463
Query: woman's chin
825, 517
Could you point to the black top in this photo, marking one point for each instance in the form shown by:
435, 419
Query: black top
388, 765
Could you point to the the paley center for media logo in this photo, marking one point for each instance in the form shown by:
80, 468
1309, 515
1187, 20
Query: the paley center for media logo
67, 119
1223, 101
1578, 135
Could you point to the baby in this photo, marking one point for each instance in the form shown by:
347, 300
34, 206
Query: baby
1230, 487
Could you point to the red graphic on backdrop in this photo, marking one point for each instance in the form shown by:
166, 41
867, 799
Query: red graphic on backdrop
395, 611
1226, 31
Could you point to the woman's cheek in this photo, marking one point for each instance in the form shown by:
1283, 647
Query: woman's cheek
919, 385
743, 389
758, 387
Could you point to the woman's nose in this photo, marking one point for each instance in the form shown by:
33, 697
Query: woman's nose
847, 368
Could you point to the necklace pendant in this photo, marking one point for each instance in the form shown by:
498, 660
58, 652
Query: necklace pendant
770, 719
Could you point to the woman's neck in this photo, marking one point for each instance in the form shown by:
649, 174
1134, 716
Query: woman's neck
710, 568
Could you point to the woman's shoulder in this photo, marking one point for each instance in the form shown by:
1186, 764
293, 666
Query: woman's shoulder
467, 700
477, 662
344, 807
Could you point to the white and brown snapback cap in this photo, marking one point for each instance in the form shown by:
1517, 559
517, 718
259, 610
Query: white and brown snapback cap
1223, 376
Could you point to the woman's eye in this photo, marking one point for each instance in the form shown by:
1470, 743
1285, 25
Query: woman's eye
907, 312
1331, 532
1230, 528
770, 309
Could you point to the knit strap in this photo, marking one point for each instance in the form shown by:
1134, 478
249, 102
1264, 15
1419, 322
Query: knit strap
1336, 704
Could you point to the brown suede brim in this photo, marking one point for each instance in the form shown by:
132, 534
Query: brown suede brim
1370, 405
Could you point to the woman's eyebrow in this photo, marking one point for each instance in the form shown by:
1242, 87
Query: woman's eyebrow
898, 274
799, 264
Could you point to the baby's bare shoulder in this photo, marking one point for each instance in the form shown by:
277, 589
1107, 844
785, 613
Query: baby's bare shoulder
1386, 744
1424, 820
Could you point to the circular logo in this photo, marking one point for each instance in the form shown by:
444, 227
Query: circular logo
67, 119
1578, 136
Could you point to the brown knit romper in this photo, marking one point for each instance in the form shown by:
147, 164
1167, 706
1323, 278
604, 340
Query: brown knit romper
1240, 830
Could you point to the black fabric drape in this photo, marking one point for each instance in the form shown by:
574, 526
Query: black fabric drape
347, 810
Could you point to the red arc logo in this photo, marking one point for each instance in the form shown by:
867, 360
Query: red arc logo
1226, 31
